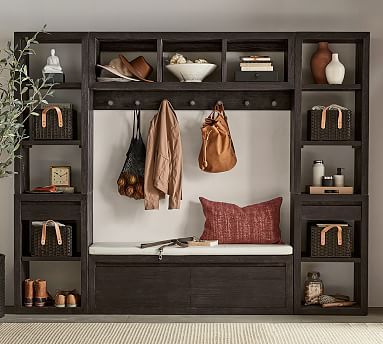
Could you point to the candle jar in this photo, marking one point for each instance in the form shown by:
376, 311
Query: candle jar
327, 181
314, 288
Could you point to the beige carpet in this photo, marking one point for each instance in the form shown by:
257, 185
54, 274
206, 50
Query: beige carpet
188, 333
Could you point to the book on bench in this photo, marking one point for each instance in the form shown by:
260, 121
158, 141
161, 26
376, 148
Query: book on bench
205, 243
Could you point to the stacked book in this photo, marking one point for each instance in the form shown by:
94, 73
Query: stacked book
256, 64
256, 68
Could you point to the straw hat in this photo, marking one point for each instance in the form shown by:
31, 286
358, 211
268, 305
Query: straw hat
135, 70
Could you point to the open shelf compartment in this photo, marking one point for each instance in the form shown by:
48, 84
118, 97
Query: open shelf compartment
346, 283
277, 49
110, 47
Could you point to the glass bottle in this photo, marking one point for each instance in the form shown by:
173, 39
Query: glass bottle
314, 288
318, 172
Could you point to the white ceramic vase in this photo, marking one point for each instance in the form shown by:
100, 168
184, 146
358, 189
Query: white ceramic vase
335, 71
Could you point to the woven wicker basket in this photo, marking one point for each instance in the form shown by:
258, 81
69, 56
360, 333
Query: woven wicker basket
332, 246
53, 128
2, 285
331, 132
51, 246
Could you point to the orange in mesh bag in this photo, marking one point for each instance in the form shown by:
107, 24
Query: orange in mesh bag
131, 180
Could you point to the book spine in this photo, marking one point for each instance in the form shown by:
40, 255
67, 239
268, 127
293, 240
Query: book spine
257, 69
255, 64
259, 59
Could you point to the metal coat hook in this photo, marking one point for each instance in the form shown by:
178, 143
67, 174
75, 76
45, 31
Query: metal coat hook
219, 102
274, 103
192, 102
137, 103
246, 103
110, 102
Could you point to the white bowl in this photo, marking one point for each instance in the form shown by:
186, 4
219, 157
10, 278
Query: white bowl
191, 72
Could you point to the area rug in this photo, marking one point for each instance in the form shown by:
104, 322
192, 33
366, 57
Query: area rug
190, 333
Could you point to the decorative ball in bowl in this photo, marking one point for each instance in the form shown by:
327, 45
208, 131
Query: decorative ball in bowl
191, 72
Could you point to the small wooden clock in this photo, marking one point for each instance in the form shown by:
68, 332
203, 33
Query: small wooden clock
60, 175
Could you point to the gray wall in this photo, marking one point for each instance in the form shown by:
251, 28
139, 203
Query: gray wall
241, 15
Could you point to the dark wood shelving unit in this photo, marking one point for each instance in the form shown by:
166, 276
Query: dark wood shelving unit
349, 208
73, 208
286, 94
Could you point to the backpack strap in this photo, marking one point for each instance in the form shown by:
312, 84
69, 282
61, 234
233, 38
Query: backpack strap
205, 141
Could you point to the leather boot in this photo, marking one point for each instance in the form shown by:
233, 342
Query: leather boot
28, 293
41, 294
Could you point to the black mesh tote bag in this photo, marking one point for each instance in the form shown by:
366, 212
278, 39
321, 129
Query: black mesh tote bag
131, 180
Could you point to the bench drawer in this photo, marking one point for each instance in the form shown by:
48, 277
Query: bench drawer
143, 289
238, 287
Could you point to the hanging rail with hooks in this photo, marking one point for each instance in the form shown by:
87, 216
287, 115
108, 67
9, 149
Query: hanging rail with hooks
121, 100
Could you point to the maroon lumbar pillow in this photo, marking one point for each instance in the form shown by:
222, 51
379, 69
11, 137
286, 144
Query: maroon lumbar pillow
254, 224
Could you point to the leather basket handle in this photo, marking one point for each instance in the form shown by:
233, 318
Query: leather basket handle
44, 115
44, 232
324, 115
323, 120
326, 229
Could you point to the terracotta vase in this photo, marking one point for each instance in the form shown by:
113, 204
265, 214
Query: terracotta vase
320, 59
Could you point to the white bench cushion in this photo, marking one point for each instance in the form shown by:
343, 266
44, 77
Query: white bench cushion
119, 248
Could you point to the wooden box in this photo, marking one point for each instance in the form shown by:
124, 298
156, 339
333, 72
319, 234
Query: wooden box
330, 190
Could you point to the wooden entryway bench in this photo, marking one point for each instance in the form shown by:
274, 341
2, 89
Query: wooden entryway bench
226, 279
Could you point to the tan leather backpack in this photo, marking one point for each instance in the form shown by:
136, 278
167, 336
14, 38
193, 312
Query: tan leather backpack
217, 152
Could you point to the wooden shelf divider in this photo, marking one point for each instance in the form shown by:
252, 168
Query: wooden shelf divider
50, 259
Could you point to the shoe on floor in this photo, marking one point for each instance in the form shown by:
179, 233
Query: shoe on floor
59, 300
71, 301
67, 298
28, 293
40, 293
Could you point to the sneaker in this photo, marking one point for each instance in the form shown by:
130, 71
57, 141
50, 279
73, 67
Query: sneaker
59, 300
67, 298
71, 301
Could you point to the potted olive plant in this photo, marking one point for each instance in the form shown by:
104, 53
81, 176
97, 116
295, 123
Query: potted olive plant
20, 96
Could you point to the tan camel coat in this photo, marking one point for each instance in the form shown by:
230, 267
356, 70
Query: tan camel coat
163, 165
